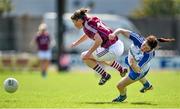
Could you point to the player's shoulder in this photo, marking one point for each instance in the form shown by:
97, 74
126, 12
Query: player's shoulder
93, 19
38, 34
137, 37
135, 34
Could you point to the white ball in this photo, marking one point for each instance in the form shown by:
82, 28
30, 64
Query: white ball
11, 85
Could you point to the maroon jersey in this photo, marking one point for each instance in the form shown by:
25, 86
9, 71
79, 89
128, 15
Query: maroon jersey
94, 25
43, 41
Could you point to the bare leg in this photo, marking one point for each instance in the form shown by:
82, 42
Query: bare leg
44, 67
108, 63
47, 64
122, 70
123, 84
143, 80
92, 63
122, 89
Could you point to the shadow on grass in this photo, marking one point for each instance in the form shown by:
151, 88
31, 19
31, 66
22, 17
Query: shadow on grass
9, 101
133, 103
101, 102
143, 103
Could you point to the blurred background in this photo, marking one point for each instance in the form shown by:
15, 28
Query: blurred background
19, 21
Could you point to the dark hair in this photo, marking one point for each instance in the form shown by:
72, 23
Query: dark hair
79, 14
152, 41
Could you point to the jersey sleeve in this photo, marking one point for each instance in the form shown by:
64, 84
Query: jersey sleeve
92, 25
136, 38
101, 28
146, 58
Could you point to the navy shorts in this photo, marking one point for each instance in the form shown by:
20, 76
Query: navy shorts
136, 76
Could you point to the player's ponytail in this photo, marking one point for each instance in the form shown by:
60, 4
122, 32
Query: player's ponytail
83, 11
165, 39
79, 14
152, 41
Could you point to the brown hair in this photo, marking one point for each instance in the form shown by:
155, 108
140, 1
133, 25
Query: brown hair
153, 41
79, 14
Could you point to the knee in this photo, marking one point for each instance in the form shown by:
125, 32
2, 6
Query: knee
83, 54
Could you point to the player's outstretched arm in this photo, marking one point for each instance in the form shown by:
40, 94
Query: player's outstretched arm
122, 31
32, 42
80, 40
118, 31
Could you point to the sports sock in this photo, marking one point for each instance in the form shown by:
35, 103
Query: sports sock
99, 69
146, 84
117, 66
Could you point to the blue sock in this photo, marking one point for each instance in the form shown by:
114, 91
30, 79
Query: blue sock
146, 84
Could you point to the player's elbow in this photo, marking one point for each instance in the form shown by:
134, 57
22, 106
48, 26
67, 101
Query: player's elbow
98, 41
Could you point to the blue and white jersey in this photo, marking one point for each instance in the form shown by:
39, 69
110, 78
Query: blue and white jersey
142, 58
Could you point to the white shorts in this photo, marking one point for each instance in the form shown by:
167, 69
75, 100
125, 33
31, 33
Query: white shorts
45, 55
110, 54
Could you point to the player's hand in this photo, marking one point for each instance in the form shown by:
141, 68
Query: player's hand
134, 66
73, 45
111, 36
132, 61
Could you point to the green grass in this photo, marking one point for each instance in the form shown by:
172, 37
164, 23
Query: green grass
80, 89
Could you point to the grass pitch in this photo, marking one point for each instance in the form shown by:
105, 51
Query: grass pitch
80, 89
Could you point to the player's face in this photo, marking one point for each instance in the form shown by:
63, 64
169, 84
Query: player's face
78, 23
145, 47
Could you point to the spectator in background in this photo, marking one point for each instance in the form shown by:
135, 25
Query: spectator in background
44, 44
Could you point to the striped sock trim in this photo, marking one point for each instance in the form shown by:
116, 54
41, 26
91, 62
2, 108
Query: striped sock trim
116, 65
99, 69
102, 53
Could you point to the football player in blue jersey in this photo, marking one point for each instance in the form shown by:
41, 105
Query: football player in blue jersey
140, 54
